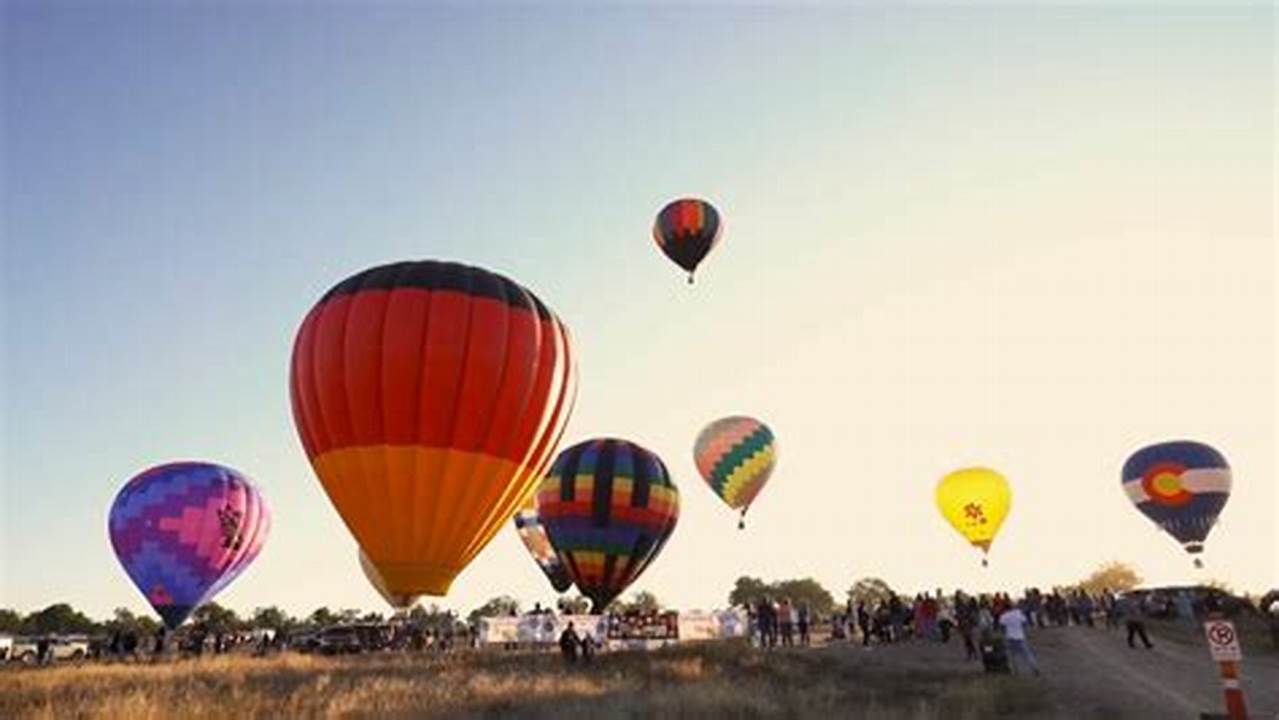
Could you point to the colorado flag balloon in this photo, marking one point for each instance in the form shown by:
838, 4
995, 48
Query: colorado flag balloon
608, 506
975, 502
430, 397
183, 531
1181, 486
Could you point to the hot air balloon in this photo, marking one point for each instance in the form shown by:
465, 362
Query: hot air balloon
975, 502
398, 602
529, 526
736, 455
608, 507
429, 397
1182, 486
183, 531
686, 230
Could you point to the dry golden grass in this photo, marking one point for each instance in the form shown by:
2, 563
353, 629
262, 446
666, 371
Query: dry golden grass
708, 680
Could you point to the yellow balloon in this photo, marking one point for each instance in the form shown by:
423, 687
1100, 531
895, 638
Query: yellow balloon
975, 502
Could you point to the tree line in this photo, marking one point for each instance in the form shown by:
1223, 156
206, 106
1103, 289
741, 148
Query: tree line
62, 618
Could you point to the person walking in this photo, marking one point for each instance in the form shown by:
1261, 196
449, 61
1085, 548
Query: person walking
1013, 623
1134, 622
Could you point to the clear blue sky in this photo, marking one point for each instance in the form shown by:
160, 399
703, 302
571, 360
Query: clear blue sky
1034, 239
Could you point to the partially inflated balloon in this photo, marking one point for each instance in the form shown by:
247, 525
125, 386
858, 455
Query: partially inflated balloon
975, 502
736, 455
183, 531
608, 507
686, 230
430, 397
528, 524
1181, 486
395, 600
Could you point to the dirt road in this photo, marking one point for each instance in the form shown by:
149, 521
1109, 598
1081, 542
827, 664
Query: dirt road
1092, 673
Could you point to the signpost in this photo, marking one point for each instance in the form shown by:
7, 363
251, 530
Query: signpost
1223, 644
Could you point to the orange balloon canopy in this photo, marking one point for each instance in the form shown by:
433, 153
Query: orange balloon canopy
430, 397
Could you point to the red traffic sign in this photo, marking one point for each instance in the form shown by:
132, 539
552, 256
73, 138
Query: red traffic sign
1223, 641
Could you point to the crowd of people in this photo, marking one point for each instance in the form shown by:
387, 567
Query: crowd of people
991, 627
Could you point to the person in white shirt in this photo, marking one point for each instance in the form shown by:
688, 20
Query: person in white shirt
1013, 622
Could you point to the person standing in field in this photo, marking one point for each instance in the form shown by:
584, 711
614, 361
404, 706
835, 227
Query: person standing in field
863, 623
1013, 623
803, 615
1134, 622
966, 621
569, 643
787, 620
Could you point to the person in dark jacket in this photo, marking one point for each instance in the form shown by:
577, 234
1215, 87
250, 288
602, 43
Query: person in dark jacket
1134, 621
569, 643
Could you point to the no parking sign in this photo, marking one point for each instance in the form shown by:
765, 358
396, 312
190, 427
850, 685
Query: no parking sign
1223, 641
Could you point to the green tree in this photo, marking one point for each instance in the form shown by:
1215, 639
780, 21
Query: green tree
373, 617
272, 617
495, 607
215, 618
869, 590
321, 618
641, 602
10, 621
1113, 576
59, 618
123, 620
808, 591
748, 591
577, 605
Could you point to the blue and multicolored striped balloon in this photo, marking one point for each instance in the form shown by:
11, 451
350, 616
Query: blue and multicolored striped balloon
1182, 486
608, 507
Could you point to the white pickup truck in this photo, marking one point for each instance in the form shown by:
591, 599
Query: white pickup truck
61, 647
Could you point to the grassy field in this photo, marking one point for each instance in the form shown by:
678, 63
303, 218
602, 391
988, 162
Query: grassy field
716, 679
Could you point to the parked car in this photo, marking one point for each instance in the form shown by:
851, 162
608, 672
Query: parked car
61, 647
339, 640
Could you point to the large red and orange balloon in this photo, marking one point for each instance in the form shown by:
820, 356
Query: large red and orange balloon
430, 397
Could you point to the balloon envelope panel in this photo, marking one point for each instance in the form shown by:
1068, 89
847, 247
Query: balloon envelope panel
183, 531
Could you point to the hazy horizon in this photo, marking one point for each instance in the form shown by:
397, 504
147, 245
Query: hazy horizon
1031, 239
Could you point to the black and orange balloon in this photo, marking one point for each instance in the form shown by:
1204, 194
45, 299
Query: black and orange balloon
686, 230
430, 397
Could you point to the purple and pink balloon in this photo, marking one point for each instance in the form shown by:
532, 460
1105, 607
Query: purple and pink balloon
183, 531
